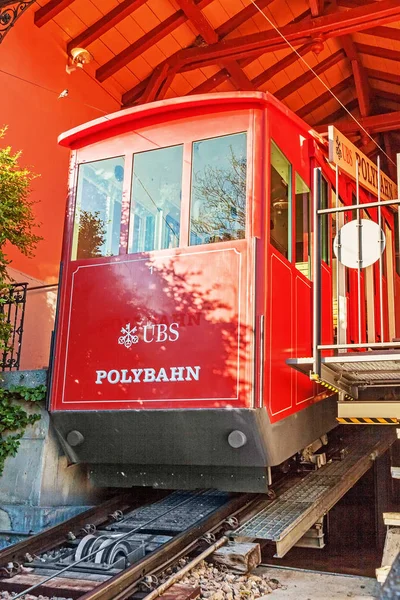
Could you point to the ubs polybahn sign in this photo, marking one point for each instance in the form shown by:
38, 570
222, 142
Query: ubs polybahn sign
346, 155
156, 330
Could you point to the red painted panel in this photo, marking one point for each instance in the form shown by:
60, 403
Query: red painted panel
280, 347
304, 388
397, 304
327, 309
165, 329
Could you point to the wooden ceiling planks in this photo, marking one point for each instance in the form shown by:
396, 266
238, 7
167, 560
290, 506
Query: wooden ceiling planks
152, 49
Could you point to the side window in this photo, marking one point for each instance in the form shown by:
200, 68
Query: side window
325, 238
98, 209
302, 198
218, 189
156, 199
281, 204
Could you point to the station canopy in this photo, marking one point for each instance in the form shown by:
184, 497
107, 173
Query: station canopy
149, 50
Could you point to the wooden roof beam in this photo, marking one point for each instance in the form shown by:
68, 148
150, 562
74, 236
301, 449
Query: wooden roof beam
104, 24
391, 96
317, 7
383, 76
359, 73
208, 33
144, 43
50, 10
377, 51
389, 33
163, 29
328, 26
297, 83
339, 113
281, 64
324, 98
134, 94
263, 77
373, 124
156, 80
387, 143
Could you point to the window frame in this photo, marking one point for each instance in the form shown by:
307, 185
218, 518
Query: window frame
134, 143
132, 203
247, 133
309, 225
290, 209
74, 235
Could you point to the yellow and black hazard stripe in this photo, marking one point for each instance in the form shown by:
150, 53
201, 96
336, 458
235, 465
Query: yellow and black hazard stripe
367, 420
329, 386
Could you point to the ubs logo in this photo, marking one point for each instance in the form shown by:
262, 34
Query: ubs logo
151, 333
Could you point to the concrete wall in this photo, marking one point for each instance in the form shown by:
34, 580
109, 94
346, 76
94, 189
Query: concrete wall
38, 488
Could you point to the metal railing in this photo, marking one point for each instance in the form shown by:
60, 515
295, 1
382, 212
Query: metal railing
12, 311
318, 215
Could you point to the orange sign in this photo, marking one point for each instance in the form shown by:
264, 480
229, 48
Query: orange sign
345, 154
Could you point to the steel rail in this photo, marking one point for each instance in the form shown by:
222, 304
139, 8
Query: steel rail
111, 543
122, 586
56, 535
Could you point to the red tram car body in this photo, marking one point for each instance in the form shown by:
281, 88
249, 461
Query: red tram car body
186, 285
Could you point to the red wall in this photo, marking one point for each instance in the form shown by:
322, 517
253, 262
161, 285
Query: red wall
35, 117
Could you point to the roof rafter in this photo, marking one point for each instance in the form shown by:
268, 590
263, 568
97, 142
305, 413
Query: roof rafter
209, 34
383, 76
50, 10
321, 67
359, 73
104, 24
389, 33
340, 112
163, 29
222, 31
324, 98
263, 77
379, 52
317, 7
144, 43
387, 142
332, 25
373, 124
391, 96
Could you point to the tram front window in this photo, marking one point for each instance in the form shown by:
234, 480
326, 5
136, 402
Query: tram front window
281, 193
98, 209
218, 193
156, 199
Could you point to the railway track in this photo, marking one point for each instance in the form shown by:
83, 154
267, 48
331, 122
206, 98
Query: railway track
115, 551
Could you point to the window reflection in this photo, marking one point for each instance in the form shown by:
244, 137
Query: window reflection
280, 221
218, 195
302, 227
325, 238
156, 199
98, 209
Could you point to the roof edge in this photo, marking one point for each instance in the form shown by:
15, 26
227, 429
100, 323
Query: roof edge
79, 136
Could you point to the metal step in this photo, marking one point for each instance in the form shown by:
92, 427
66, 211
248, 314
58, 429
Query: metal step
352, 370
286, 519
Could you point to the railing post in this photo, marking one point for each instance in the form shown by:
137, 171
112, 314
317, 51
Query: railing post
317, 273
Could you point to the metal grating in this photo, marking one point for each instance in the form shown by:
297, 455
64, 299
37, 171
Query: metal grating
356, 369
297, 509
174, 513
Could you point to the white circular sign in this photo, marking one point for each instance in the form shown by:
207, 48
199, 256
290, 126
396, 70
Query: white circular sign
346, 244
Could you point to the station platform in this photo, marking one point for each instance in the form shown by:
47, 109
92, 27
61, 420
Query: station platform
284, 520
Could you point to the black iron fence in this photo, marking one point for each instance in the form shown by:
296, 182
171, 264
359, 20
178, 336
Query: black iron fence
12, 311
